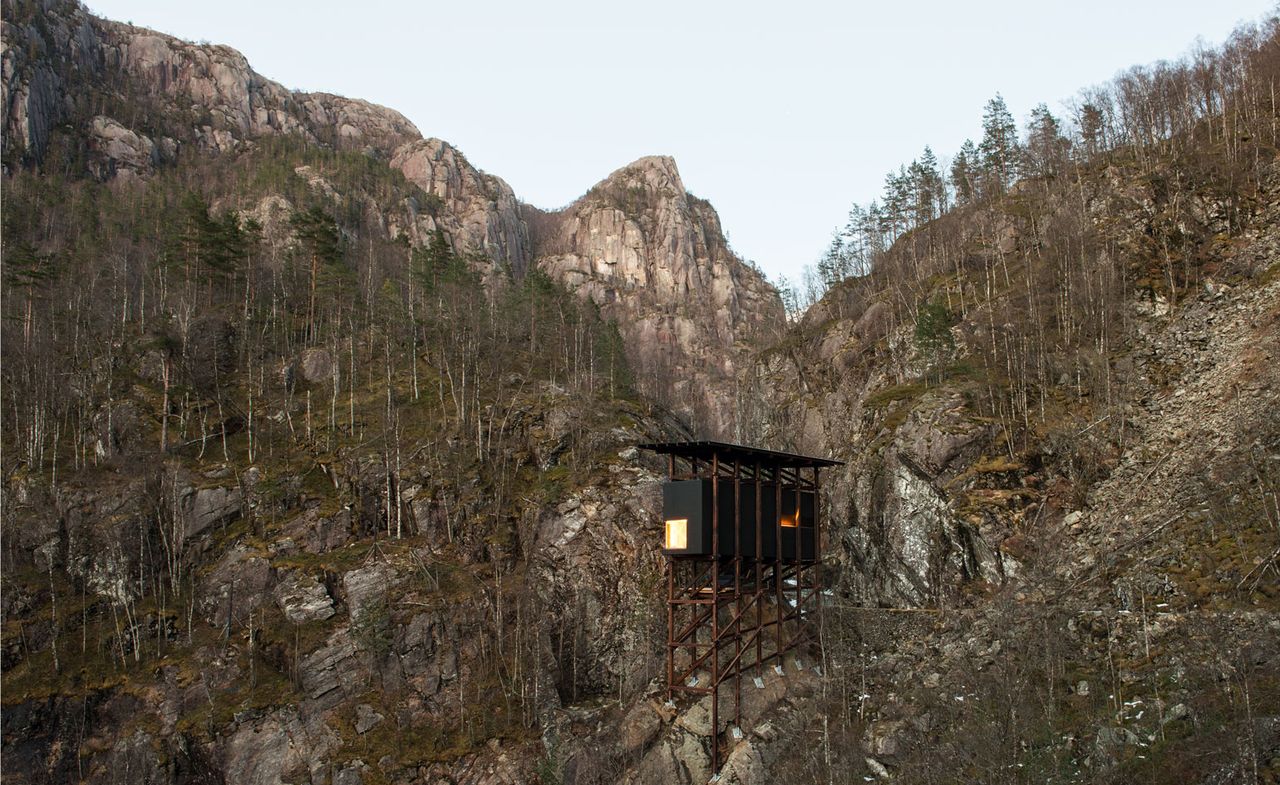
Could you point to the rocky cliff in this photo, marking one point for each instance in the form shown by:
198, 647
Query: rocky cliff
58, 59
309, 477
1107, 538
638, 245
62, 65
229, 576
653, 258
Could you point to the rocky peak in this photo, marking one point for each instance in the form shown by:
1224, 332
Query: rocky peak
478, 211
656, 172
653, 257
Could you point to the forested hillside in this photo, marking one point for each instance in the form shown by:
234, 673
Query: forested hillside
288, 421
319, 445
1053, 377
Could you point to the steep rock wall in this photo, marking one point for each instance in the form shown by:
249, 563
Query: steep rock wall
654, 259
57, 56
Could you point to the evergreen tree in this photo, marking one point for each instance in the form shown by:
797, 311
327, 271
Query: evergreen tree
833, 267
27, 270
897, 199
436, 264
1092, 137
320, 245
964, 170
999, 147
1046, 148
858, 235
928, 188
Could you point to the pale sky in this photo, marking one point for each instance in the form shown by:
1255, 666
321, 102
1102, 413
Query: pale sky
781, 113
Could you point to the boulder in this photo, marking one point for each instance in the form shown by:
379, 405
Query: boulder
302, 598
316, 365
638, 728
366, 718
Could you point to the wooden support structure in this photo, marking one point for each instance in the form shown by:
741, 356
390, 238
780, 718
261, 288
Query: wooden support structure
718, 628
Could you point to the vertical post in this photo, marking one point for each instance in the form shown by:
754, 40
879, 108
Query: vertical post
759, 577
799, 556
671, 624
777, 559
715, 612
817, 552
737, 592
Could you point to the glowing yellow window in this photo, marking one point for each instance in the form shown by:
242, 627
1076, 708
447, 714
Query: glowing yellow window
790, 521
677, 534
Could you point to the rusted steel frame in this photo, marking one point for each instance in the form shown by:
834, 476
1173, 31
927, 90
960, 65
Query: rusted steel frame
802, 635
737, 586
799, 549
726, 631
695, 690
786, 647
759, 576
691, 627
817, 548
671, 623
715, 644
698, 660
675, 642
737, 660
777, 550
776, 655
715, 611
695, 585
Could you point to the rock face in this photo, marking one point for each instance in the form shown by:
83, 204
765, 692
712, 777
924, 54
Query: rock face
654, 259
302, 598
477, 210
54, 50
596, 568
638, 245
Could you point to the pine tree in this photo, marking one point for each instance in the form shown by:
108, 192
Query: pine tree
436, 263
27, 270
964, 173
897, 199
1046, 148
833, 267
319, 243
929, 190
858, 240
1092, 137
999, 147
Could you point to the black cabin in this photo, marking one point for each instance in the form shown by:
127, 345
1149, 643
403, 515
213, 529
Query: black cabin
742, 490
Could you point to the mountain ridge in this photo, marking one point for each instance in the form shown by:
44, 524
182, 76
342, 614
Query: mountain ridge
232, 105
320, 449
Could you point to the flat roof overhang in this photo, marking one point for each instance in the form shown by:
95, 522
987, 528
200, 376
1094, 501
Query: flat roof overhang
704, 450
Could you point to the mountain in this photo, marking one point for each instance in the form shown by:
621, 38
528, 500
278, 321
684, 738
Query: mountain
653, 258
319, 445
1056, 402
637, 244
345, 431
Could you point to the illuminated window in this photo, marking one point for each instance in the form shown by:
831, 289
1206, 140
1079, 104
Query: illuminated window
789, 521
677, 534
